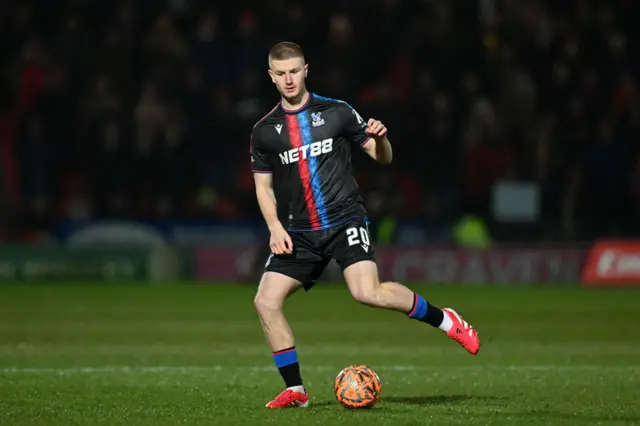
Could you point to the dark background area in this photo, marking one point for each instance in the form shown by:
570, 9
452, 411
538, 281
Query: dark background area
143, 109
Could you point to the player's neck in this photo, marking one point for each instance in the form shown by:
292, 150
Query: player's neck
296, 103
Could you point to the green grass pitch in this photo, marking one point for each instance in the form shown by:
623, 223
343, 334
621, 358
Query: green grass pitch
195, 355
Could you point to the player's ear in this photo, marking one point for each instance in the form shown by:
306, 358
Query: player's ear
306, 70
273, 79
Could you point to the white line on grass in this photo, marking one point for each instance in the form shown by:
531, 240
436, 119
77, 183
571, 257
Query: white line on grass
317, 368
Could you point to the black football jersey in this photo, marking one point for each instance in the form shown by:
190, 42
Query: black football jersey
308, 150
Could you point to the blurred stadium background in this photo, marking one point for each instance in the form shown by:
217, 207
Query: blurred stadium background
515, 124
124, 132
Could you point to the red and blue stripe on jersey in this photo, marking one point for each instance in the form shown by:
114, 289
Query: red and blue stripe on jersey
299, 129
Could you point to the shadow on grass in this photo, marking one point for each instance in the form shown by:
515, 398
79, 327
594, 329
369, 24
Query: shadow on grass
425, 400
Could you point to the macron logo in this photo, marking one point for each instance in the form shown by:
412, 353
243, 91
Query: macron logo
312, 150
278, 128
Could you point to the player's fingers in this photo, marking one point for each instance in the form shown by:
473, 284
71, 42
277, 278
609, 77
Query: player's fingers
382, 131
371, 122
275, 248
282, 247
285, 244
288, 244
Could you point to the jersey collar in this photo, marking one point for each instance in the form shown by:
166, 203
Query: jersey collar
297, 110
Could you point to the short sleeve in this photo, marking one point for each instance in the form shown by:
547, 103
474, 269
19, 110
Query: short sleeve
355, 126
260, 161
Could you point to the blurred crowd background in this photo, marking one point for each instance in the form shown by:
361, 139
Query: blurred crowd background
143, 109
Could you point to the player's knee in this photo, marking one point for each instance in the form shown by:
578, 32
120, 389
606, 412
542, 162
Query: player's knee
264, 302
273, 291
368, 295
363, 297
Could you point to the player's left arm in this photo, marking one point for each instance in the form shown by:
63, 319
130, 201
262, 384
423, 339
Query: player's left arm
370, 136
378, 146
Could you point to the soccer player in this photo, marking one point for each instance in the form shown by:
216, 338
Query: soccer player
305, 142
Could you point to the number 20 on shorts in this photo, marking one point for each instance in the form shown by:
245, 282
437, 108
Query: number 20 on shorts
357, 236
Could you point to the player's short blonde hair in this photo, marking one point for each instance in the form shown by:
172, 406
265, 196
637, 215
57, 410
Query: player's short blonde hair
285, 50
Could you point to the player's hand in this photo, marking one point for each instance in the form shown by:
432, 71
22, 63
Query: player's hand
280, 241
375, 129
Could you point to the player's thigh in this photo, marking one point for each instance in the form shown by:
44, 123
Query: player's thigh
354, 253
362, 279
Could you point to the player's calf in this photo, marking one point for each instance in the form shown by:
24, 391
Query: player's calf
273, 290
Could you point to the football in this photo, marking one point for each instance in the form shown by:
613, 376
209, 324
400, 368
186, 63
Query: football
358, 386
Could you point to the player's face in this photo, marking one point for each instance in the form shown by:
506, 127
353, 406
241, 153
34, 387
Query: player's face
288, 76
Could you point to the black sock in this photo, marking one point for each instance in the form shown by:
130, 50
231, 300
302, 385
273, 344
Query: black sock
425, 312
287, 362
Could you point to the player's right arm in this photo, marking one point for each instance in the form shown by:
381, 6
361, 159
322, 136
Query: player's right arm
280, 242
262, 168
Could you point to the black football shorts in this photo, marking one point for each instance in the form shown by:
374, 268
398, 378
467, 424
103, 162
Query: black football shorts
347, 242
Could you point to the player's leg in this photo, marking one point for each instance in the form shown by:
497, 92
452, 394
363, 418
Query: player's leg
366, 288
283, 276
273, 290
354, 254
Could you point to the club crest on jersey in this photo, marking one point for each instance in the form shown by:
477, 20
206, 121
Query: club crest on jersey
305, 151
316, 119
